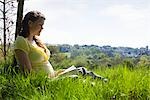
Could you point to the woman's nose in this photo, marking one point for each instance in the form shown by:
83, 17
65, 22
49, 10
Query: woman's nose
41, 27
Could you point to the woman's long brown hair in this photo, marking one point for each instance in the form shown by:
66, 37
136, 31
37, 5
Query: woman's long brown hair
31, 16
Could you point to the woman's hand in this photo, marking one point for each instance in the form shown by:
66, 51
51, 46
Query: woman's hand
59, 72
56, 73
51, 75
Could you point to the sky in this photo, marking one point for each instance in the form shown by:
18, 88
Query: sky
100, 22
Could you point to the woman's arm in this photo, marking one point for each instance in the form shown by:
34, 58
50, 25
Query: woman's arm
23, 60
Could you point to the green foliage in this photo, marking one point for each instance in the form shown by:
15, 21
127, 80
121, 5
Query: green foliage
144, 61
92, 57
128, 63
53, 49
123, 84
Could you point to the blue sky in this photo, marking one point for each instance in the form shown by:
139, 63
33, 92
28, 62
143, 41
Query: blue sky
99, 22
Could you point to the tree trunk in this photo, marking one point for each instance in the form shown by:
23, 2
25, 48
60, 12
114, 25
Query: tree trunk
4, 16
18, 23
19, 17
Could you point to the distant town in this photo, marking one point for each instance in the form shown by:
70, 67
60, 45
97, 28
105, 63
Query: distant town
110, 51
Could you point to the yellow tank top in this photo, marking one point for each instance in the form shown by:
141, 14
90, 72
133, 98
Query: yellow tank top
38, 58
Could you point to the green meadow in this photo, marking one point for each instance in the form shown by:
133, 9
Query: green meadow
123, 84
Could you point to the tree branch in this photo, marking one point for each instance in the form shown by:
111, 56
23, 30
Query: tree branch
2, 2
1, 18
1, 10
9, 1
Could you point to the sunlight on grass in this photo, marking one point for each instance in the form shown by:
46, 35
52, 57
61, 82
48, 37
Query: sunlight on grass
123, 84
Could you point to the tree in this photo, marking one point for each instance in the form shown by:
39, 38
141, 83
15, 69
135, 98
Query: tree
18, 23
19, 16
7, 9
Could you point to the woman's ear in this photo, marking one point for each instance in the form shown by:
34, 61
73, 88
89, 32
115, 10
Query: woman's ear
30, 23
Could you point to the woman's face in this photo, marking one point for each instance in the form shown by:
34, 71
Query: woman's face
36, 27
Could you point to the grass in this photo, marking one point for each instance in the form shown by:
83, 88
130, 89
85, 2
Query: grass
123, 84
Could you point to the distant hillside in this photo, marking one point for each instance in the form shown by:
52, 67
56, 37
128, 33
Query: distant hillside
95, 56
110, 51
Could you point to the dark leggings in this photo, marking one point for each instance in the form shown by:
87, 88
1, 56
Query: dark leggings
85, 72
